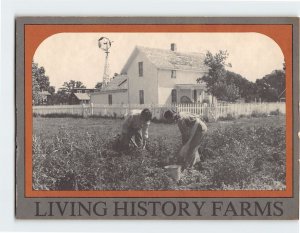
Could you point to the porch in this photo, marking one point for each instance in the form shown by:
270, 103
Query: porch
191, 93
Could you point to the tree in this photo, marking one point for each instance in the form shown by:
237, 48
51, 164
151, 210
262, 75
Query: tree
217, 82
42, 79
69, 86
61, 97
247, 89
272, 86
36, 98
40, 82
99, 85
226, 92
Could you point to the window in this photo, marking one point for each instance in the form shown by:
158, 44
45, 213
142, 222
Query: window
195, 96
173, 73
141, 69
174, 96
142, 97
110, 99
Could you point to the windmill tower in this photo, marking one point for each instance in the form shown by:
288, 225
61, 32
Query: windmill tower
104, 43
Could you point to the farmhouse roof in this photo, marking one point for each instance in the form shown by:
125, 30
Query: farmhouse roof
171, 60
82, 96
119, 82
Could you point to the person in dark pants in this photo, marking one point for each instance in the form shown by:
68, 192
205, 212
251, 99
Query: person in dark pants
135, 129
192, 129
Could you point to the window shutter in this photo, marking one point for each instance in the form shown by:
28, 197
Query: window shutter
173, 73
141, 72
141, 96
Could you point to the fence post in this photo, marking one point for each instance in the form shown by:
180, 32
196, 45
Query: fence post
210, 111
83, 110
92, 109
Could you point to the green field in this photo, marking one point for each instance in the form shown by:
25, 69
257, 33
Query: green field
77, 154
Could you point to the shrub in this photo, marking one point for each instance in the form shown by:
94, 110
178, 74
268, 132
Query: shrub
228, 117
74, 163
275, 112
233, 166
193, 179
242, 116
66, 160
236, 154
163, 152
258, 114
246, 154
136, 171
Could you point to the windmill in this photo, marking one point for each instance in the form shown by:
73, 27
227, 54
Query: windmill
104, 43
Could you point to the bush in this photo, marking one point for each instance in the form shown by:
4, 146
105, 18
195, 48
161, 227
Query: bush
275, 112
246, 154
137, 171
67, 163
237, 155
228, 117
85, 163
162, 152
195, 180
242, 116
258, 114
234, 166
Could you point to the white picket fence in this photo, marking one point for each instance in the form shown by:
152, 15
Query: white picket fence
235, 109
204, 110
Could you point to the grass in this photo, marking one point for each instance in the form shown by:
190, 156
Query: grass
77, 154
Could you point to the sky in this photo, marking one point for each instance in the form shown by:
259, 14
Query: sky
76, 56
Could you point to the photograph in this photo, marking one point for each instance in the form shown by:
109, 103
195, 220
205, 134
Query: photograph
158, 111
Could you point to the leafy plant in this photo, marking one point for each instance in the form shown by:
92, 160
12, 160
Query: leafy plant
79, 154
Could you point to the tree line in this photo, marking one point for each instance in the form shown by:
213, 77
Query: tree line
225, 85
41, 87
228, 86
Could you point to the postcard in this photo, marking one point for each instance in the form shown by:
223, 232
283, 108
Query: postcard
157, 118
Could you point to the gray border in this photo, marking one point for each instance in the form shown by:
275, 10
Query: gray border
25, 207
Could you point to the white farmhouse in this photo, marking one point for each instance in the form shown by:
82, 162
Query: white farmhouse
115, 92
157, 76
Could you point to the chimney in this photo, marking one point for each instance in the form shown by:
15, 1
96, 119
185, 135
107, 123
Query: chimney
173, 47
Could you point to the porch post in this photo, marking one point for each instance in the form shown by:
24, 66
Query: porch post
177, 90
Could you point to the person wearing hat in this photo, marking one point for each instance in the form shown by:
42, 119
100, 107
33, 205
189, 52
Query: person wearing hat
135, 129
192, 129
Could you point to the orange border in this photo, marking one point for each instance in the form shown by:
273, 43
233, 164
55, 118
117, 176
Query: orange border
35, 34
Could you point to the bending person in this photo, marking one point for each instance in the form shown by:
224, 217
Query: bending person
135, 129
192, 129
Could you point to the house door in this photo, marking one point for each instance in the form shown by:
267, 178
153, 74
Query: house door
174, 96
